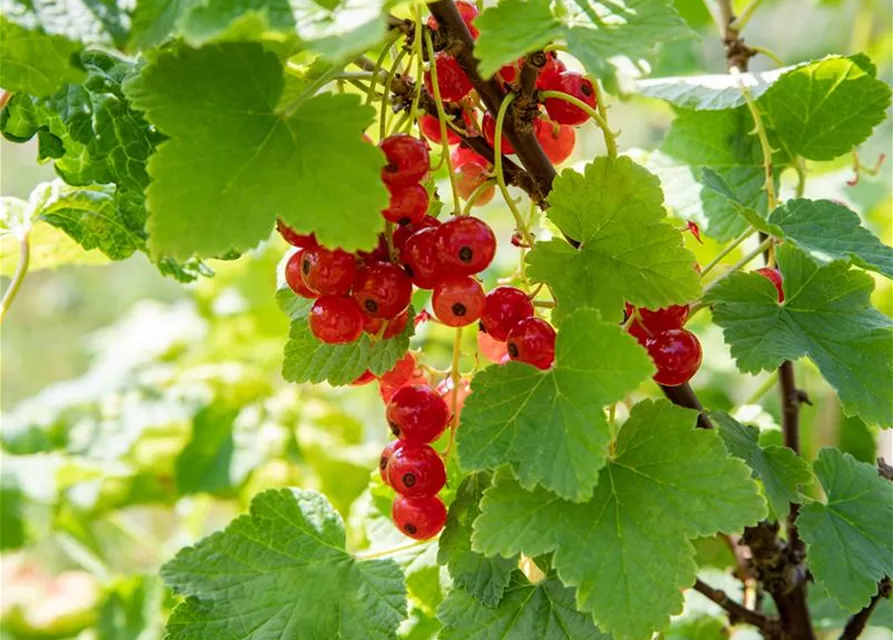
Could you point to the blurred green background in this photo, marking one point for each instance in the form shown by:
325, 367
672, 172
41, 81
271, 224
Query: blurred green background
140, 414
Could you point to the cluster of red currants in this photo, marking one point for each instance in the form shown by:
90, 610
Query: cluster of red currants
676, 352
554, 129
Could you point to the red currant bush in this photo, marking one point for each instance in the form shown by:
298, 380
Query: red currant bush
336, 319
417, 414
466, 245
458, 301
382, 290
677, 355
532, 341
773, 276
575, 85
407, 159
504, 308
328, 272
419, 518
416, 471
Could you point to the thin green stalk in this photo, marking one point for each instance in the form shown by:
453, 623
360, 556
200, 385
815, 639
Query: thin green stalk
441, 115
610, 139
800, 168
383, 118
763, 389
19, 275
727, 250
477, 193
769, 54
420, 68
500, 178
456, 377
376, 70
765, 244
384, 553
741, 21
760, 130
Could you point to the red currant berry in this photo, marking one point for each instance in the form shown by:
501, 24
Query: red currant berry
505, 307
774, 276
488, 125
492, 349
328, 272
509, 73
294, 238
420, 259
293, 276
467, 11
390, 449
469, 177
407, 158
430, 128
458, 301
553, 67
382, 290
419, 518
532, 340
392, 327
416, 471
464, 155
451, 79
407, 204
649, 322
676, 354
557, 140
417, 414
573, 84
364, 378
379, 254
466, 244
336, 319
402, 373
404, 231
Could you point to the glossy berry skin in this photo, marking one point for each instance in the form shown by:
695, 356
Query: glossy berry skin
463, 155
557, 140
382, 290
336, 319
407, 158
430, 128
293, 276
532, 341
407, 204
773, 276
419, 518
420, 259
390, 449
403, 232
395, 326
677, 355
468, 13
504, 308
328, 272
488, 126
575, 85
553, 67
416, 471
466, 245
363, 379
468, 178
649, 322
492, 349
458, 301
451, 79
417, 414
294, 238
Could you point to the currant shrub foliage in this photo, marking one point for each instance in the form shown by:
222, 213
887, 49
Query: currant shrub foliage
184, 130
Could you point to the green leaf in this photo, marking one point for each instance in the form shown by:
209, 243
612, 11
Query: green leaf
512, 29
601, 31
485, 579
204, 464
550, 425
723, 142
827, 315
710, 92
12, 517
830, 231
713, 182
103, 22
248, 161
544, 611
848, 538
780, 469
628, 572
282, 571
822, 110
628, 250
35, 62
309, 360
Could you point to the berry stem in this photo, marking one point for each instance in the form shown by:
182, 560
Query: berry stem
19, 275
420, 66
441, 115
765, 244
760, 130
456, 377
800, 168
384, 553
478, 190
727, 250
741, 21
774, 57
500, 178
610, 138
760, 391
383, 118
376, 69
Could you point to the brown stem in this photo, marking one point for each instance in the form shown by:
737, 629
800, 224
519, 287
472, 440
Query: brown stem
739, 613
684, 396
856, 624
737, 53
